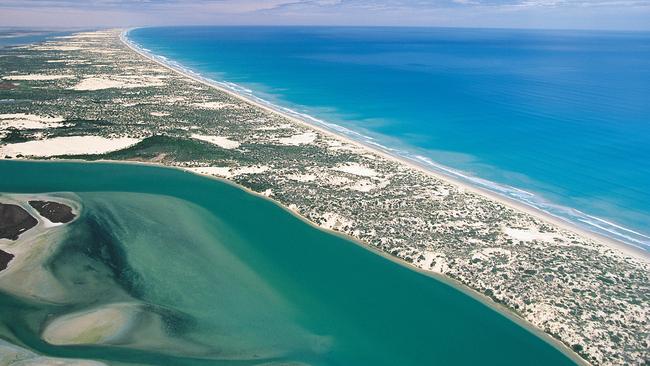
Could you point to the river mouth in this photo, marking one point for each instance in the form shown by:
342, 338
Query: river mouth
195, 271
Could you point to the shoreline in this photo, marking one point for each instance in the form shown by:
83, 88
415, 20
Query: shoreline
487, 237
485, 300
623, 248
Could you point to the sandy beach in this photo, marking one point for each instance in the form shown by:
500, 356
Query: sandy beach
623, 248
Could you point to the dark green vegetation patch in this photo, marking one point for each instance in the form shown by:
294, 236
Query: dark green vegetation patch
14, 220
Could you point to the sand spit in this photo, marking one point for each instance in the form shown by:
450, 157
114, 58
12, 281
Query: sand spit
221, 141
534, 265
69, 145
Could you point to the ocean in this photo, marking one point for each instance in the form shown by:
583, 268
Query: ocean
242, 281
558, 120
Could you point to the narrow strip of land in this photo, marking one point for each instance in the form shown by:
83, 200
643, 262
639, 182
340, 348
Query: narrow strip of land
589, 294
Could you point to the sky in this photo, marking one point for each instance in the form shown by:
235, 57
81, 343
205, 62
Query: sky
555, 14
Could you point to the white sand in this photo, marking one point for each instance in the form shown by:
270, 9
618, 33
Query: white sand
159, 114
336, 180
36, 77
98, 83
68, 62
212, 105
70, 145
528, 234
356, 169
56, 48
300, 139
221, 141
301, 177
366, 185
84, 35
334, 221
218, 171
283, 126
173, 100
226, 172
22, 121
97, 326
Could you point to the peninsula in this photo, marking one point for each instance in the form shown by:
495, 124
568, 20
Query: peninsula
93, 96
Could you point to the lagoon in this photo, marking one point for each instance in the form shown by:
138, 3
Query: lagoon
241, 281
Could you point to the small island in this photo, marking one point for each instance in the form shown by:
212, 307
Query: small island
54, 211
14, 220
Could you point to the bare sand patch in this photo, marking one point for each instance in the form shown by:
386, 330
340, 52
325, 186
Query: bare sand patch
98, 83
221, 141
68, 145
37, 77
23, 121
366, 185
226, 172
300, 139
283, 126
529, 234
356, 169
47, 47
301, 177
213, 105
334, 221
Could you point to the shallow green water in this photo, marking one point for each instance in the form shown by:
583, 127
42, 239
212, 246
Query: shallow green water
241, 281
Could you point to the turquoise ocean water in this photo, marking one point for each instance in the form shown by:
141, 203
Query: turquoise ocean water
559, 120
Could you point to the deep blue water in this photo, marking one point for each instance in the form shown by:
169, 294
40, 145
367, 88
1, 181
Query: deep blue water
557, 119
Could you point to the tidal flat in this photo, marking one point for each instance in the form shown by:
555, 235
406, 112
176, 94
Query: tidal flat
164, 267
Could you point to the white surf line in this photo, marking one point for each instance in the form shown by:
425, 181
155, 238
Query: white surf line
573, 218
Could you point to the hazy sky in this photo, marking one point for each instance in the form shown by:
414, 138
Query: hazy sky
590, 14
